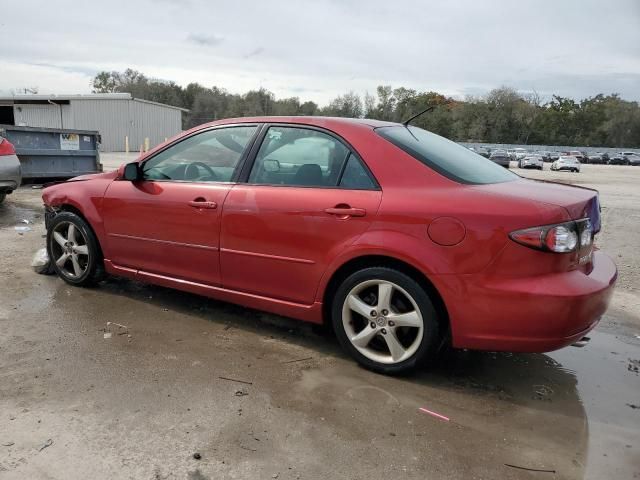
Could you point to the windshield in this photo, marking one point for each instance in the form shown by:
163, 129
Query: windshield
446, 157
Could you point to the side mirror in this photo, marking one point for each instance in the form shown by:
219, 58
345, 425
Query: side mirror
132, 172
271, 166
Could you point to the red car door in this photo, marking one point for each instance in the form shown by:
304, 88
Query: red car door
169, 222
307, 197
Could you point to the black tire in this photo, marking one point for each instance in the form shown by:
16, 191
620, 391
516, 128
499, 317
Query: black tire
93, 267
2, 197
425, 348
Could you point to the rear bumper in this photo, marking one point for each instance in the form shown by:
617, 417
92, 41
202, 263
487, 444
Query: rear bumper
10, 173
532, 314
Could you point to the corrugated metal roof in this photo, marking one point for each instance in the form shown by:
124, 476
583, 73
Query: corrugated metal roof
85, 96
89, 96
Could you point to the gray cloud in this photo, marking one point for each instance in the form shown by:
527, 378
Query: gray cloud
204, 40
254, 52
320, 49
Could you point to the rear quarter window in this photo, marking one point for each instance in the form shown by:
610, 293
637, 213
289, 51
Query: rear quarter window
446, 157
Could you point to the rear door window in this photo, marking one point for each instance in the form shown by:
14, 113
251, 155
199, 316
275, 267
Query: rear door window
355, 176
300, 157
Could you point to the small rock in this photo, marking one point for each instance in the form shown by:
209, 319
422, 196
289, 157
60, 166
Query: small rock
197, 456
7, 444
46, 444
107, 335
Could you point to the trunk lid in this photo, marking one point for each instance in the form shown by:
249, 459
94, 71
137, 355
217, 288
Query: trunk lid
579, 202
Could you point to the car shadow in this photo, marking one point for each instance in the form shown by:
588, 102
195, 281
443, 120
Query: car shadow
535, 380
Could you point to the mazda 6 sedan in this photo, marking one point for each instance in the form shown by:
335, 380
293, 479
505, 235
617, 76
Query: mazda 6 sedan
399, 239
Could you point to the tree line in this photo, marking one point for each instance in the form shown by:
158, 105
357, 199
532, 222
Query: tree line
501, 116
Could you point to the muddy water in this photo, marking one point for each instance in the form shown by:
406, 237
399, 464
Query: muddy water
568, 411
608, 386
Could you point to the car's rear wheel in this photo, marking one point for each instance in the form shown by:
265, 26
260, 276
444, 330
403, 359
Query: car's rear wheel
385, 320
73, 250
2, 197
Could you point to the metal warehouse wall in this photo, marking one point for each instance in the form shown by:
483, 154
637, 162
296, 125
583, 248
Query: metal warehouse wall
43, 116
113, 118
154, 121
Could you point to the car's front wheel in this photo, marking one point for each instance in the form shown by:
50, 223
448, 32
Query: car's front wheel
385, 320
73, 250
2, 197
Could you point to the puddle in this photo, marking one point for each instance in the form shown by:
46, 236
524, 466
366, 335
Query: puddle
567, 411
607, 386
12, 214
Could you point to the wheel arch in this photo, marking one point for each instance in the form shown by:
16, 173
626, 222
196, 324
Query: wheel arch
366, 261
67, 207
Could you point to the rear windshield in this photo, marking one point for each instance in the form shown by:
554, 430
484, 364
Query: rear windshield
446, 157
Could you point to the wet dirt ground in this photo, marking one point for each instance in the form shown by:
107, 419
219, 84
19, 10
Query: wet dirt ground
258, 396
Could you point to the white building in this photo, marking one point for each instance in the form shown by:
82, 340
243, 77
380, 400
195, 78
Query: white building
114, 115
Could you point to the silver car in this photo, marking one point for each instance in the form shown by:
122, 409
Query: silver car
572, 164
519, 153
531, 161
10, 175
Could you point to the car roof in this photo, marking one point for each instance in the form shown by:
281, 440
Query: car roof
306, 120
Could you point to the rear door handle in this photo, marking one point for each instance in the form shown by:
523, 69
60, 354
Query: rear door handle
202, 203
346, 211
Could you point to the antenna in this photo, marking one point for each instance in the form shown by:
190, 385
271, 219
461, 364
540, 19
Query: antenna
408, 120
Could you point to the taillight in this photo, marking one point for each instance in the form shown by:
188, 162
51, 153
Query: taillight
561, 238
6, 148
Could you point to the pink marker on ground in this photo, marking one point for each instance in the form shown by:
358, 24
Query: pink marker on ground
434, 414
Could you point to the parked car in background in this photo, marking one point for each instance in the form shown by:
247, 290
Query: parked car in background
595, 158
10, 173
544, 154
554, 156
343, 222
519, 153
483, 151
633, 158
618, 159
501, 157
531, 161
577, 154
566, 163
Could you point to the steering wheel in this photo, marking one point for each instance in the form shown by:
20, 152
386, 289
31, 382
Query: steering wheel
192, 172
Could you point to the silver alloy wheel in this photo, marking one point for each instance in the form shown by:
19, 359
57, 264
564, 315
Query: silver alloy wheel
380, 329
69, 250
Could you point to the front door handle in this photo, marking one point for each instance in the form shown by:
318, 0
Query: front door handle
346, 211
202, 203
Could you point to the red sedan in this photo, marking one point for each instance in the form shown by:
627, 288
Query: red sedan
400, 239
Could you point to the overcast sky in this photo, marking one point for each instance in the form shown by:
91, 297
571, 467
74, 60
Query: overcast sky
319, 49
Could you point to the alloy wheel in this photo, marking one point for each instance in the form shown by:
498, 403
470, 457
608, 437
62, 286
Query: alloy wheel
69, 250
382, 321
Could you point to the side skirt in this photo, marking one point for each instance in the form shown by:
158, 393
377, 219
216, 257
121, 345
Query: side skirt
309, 313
